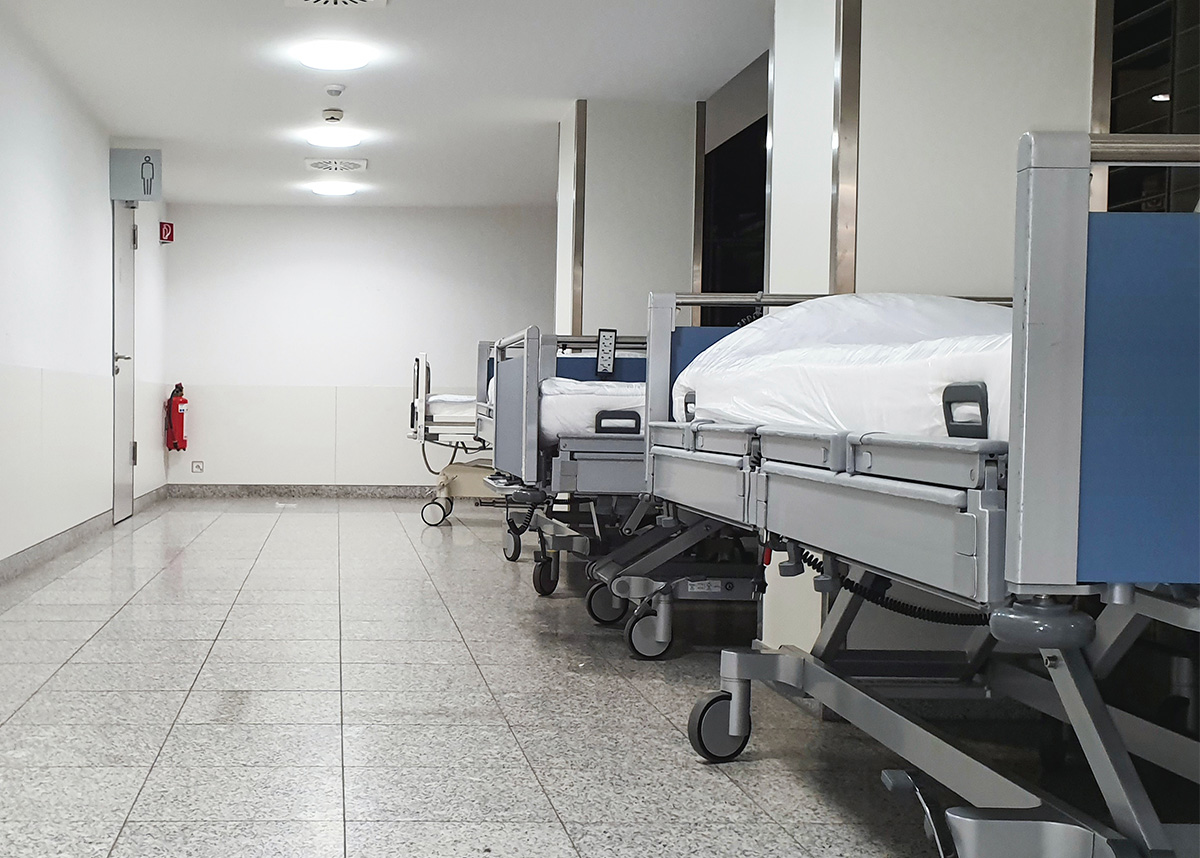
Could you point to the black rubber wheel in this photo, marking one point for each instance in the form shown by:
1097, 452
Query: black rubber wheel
433, 513
639, 637
603, 608
708, 729
512, 545
545, 576
448, 503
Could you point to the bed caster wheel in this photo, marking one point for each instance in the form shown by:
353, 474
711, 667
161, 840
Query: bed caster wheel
435, 512
603, 607
639, 636
449, 504
512, 545
545, 576
708, 729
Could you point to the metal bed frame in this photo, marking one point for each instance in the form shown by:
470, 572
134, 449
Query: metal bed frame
456, 480
583, 493
587, 496
1005, 535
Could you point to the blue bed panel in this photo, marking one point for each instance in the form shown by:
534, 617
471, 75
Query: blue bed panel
583, 368
1139, 507
687, 343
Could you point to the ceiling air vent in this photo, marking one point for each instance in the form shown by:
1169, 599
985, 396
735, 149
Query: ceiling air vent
331, 3
336, 165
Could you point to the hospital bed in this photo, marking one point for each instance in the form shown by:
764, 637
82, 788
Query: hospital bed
1005, 527
565, 417
447, 420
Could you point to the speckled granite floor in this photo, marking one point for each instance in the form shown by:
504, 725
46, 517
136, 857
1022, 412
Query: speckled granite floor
224, 678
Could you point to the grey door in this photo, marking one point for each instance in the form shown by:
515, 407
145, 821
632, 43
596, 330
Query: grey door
124, 448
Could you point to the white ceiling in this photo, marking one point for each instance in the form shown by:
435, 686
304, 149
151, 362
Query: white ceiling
462, 108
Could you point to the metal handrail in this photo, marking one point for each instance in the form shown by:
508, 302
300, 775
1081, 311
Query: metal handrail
740, 299
582, 342
768, 299
1162, 149
510, 340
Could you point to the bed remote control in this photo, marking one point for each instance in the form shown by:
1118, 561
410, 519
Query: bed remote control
606, 352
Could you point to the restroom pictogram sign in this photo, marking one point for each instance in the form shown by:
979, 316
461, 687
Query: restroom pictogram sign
166, 232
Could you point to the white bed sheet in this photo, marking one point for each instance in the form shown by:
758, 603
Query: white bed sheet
451, 406
856, 363
569, 407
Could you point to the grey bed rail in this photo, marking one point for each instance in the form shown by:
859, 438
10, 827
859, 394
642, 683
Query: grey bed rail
772, 299
514, 417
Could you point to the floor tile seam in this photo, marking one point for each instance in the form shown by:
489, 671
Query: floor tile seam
104, 625
441, 599
83, 560
722, 769
188, 693
341, 689
475, 533
491, 693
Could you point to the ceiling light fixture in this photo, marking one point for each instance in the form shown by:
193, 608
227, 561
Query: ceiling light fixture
333, 137
333, 55
1162, 96
334, 189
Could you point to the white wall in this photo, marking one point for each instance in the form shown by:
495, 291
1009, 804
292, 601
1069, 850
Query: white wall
799, 203
639, 209
947, 90
294, 330
801, 154
55, 306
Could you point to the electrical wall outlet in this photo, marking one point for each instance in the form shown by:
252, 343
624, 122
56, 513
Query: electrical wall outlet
197, 467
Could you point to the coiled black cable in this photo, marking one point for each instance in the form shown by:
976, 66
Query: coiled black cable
523, 526
889, 603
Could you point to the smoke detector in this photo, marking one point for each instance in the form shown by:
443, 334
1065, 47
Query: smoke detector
331, 3
336, 165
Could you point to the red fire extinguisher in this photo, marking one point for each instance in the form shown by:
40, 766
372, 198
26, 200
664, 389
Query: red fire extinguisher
176, 412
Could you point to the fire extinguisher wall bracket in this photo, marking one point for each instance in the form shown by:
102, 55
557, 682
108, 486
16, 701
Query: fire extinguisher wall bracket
175, 425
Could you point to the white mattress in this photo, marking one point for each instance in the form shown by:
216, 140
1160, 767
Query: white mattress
459, 407
856, 363
569, 407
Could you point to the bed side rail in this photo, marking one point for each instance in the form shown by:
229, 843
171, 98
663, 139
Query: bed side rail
518, 362
419, 406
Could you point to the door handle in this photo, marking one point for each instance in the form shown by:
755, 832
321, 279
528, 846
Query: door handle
119, 357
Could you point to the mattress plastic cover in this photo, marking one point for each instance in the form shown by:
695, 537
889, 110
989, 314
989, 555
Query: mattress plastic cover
451, 406
569, 407
856, 363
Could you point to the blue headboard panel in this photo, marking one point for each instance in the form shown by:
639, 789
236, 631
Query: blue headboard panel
1140, 465
583, 368
687, 343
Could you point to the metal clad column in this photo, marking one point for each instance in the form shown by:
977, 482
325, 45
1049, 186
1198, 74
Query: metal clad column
847, 66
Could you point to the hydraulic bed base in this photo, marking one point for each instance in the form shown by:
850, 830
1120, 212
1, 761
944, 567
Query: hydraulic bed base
659, 567
1008, 536
584, 495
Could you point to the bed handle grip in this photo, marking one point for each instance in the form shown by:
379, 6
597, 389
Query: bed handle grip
617, 423
973, 423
